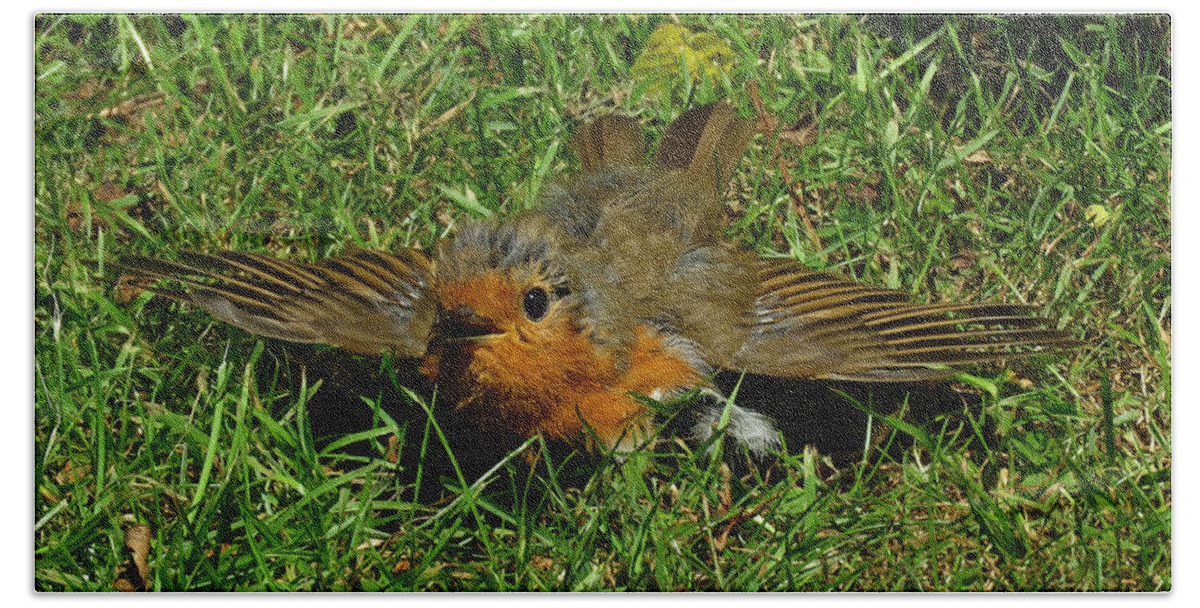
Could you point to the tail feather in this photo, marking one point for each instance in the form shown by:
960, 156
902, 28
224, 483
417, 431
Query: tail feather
708, 141
609, 141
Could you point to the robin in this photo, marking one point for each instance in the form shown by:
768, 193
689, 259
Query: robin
555, 321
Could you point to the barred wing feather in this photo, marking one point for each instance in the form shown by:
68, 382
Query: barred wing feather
814, 325
366, 302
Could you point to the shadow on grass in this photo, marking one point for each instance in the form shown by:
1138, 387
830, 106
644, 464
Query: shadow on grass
829, 416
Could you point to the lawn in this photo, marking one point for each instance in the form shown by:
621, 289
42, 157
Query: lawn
1023, 159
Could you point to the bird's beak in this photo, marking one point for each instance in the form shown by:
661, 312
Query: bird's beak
463, 325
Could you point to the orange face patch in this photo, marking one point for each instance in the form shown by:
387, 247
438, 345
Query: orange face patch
492, 296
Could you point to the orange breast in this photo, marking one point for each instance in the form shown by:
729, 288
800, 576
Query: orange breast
551, 379
618, 420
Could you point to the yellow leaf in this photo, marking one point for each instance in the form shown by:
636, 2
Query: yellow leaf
1097, 214
673, 49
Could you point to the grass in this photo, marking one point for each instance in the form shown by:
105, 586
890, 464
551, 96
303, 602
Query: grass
967, 158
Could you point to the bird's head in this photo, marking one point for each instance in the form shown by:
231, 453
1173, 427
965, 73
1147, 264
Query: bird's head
512, 338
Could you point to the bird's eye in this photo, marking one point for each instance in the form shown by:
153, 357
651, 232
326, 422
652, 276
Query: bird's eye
536, 303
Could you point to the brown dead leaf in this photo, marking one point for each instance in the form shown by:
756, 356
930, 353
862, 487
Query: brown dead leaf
767, 121
70, 473
130, 287
104, 193
725, 493
445, 116
133, 113
108, 192
123, 585
797, 192
134, 573
135, 107
87, 89
74, 213
801, 134
978, 157
393, 449
618, 95
541, 562
48, 494
964, 260
864, 191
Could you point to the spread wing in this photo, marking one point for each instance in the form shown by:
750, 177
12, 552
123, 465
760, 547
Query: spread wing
365, 302
814, 325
